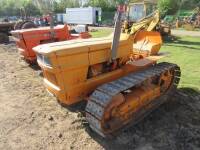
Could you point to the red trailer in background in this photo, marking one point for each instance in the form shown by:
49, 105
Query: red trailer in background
26, 39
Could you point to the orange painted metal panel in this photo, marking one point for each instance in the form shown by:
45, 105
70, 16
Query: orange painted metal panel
71, 61
26, 39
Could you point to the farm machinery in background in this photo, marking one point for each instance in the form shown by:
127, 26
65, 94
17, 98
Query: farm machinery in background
190, 22
118, 77
26, 39
141, 9
5, 28
25, 22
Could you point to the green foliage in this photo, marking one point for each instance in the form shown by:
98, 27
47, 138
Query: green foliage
57, 7
120, 1
107, 5
107, 17
63, 4
185, 13
45, 6
168, 7
172, 7
31, 9
190, 4
104, 4
12, 8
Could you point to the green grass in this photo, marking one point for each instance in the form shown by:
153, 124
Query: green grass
101, 33
184, 51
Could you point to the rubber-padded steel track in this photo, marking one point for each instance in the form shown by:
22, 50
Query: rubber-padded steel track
103, 95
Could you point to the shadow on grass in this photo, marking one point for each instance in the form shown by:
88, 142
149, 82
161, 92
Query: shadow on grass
183, 46
178, 42
190, 91
171, 126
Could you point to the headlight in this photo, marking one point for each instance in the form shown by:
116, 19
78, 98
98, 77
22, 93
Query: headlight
43, 59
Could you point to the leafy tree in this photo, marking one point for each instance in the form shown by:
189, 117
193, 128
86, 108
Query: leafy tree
169, 7
120, 1
63, 4
30, 8
108, 5
11, 8
189, 4
57, 8
45, 6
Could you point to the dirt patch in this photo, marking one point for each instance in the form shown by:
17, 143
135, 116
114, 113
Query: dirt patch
186, 33
32, 119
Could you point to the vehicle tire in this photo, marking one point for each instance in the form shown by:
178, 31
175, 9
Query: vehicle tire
4, 38
28, 25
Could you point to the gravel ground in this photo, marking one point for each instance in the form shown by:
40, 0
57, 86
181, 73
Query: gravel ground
32, 119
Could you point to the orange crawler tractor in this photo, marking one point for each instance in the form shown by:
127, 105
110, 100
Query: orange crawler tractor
119, 77
26, 39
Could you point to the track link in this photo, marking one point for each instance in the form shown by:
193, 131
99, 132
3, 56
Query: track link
103, 95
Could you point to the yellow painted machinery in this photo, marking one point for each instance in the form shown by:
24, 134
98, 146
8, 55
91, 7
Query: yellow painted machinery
118, 76
140, 9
